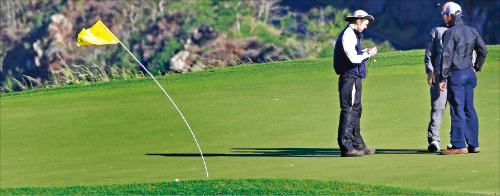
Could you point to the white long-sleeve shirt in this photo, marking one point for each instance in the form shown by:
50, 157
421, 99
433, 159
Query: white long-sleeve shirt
349, 42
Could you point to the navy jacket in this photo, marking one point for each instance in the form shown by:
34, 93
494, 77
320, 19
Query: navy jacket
459, 42
348, 56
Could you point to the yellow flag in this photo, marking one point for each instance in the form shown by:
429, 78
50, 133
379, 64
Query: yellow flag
98, 34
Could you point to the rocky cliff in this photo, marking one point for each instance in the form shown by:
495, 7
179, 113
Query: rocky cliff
36, 34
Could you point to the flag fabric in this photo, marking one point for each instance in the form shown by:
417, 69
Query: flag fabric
98, 34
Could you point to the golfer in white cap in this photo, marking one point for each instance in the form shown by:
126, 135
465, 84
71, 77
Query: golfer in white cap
349, 62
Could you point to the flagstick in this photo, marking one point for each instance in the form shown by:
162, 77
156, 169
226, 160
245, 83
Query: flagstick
194, 137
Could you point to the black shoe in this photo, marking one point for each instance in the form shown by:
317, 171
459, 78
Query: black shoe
353, 153
434, 146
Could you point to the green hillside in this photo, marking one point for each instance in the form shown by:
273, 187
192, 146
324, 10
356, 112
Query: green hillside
273, 120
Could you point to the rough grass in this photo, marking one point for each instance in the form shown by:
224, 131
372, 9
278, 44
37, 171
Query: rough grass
232, 187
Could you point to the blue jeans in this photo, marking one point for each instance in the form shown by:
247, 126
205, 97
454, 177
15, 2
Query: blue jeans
464, 120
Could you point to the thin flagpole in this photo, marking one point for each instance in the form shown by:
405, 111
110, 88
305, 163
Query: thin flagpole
194, 137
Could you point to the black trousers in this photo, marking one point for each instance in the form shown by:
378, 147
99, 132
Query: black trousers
349, 136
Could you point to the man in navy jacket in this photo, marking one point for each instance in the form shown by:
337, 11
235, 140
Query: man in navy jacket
349, 62
459, 42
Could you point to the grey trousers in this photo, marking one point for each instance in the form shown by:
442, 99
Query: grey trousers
438, 104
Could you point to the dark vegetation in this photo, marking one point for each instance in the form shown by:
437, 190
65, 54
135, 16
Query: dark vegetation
38, 38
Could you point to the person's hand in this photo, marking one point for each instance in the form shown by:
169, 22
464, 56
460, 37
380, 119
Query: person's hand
442, 86
372, 51
431, 78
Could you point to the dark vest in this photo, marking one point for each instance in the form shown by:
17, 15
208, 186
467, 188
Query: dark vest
341, 62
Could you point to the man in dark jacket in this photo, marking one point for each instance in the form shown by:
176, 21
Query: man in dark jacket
349, 62
459, 42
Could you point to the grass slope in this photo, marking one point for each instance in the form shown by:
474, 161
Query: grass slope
231, 187
274, 120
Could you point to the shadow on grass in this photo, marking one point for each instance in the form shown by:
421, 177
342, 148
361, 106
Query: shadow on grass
288, 152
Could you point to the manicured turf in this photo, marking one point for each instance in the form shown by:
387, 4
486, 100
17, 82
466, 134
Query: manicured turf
274, 120
231, 187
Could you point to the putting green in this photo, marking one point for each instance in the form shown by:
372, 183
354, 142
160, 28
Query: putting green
274, 120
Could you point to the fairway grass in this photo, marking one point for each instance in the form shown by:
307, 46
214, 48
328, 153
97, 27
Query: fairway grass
262, 121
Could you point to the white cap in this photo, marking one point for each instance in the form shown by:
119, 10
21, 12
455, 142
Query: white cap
452, 8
